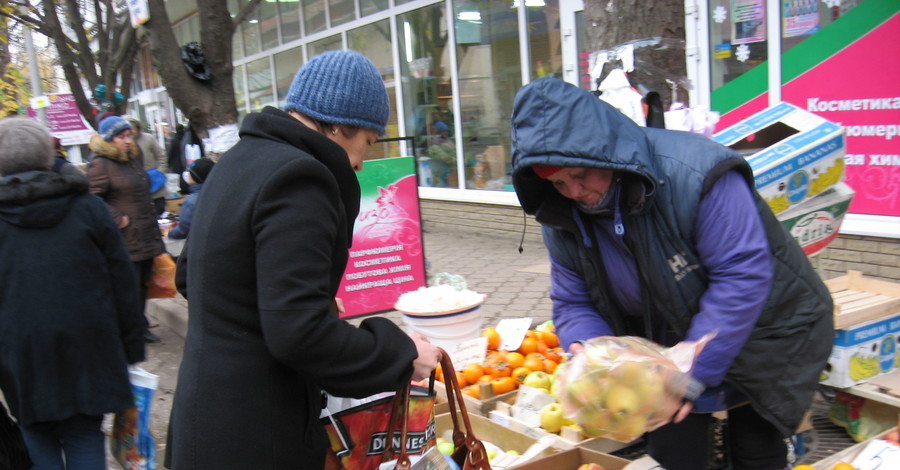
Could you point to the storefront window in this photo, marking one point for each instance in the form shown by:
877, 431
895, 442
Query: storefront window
427, 96
331, 43
544, 40
738, 43
239, 96
289, 15
250, 31
801, 19
268, 24
286, 65
490, 74
374, 42
314, 16
341, 11
367, 7
259, 84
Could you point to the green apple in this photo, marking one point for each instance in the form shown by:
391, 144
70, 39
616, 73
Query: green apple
513, 452
552, 418
445, 447
538, 379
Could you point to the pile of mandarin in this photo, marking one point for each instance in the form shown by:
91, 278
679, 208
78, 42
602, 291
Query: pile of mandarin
506, 370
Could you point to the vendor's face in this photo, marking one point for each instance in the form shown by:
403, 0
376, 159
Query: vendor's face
354, 143
124, 140
585, 185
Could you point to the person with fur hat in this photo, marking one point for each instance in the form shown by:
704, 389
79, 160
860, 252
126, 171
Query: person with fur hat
117, 175
661, 234
70, 314
266, 253
195, 176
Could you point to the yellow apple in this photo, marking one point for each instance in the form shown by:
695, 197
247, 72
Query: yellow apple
622, 401
552, 418
538, 379
594, 421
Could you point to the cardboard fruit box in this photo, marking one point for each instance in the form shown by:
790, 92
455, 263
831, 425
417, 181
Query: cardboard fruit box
572, 459
862, 352
481, 407
568, 438
794, 154
488, 431
814, 223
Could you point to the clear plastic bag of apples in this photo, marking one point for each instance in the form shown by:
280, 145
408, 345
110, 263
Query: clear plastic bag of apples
620, 387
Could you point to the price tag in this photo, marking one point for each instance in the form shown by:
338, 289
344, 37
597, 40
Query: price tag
512, 332
468, 352
529, 403
878, 455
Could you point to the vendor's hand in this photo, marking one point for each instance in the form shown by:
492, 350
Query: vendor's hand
575, 348
683, 412
429, 357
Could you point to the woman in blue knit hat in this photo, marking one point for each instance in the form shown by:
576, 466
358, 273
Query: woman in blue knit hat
117, 175
268, 247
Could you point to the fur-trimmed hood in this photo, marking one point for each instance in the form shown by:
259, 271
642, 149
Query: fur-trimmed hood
39, 198
109, 150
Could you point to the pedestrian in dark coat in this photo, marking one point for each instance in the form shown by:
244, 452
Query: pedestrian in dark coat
262, 265
660, 234
117, 175
70, 312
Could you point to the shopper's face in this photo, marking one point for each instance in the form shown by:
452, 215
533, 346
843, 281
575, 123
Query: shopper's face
124, 140
585, 185
355, 145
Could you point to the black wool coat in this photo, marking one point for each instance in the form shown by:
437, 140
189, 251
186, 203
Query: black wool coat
70, 311
260, 269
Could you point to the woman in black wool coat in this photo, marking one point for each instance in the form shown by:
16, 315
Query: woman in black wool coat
70, 311
261, 268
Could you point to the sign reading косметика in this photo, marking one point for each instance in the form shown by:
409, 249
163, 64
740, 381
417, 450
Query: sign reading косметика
386, 258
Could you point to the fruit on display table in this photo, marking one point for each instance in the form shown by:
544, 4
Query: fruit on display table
590, 466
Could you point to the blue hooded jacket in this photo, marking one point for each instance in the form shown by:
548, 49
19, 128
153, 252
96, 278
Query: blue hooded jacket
665, 181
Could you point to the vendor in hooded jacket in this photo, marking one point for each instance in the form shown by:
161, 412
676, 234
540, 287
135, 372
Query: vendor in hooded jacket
661, 234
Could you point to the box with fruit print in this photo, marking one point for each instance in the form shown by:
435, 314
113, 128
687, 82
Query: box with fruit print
863, 351
794, 154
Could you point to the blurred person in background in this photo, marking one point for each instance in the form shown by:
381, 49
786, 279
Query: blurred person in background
70, 312
155, 162
262, 265
661, 234
196, 175
117, 175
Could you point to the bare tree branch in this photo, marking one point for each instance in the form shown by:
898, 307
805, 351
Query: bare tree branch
245, 12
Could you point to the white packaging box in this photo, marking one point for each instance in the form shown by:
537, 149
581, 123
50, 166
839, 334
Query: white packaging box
794, 154
814, 223
863, 351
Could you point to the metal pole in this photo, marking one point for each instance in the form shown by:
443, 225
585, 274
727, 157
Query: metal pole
36, 89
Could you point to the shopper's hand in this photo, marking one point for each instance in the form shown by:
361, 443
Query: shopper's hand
340, 305
429, 357
124, 222
683, 412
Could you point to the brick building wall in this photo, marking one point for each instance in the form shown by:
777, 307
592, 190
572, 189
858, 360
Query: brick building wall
873, 256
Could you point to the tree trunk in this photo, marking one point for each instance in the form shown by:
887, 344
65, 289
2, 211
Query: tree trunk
207, 103
657, 30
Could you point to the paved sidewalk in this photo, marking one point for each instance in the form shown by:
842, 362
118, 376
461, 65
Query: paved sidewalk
516, 286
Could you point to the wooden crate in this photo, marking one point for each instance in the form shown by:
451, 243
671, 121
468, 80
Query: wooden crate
482, 407
859, 299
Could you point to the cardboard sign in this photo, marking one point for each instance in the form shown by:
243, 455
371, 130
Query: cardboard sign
512, 332
468, 352
529, 403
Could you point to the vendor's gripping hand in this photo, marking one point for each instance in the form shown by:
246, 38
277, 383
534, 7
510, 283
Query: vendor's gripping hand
428, 359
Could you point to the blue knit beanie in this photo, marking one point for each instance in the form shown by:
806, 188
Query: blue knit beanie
340, 87
112, 126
